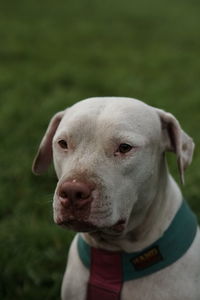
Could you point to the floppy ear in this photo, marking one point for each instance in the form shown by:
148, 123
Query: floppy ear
44, 155
174, 139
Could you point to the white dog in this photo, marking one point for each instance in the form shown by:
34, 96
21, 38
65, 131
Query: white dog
139, 239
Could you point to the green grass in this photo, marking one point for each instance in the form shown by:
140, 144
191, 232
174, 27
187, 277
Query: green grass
53, 54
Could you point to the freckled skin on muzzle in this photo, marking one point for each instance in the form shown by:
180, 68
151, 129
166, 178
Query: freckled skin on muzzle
75, 199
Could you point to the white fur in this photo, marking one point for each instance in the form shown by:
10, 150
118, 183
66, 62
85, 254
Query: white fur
136, 187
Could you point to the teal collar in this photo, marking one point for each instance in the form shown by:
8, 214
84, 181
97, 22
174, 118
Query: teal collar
175, 241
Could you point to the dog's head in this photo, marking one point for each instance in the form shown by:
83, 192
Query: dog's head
109, 158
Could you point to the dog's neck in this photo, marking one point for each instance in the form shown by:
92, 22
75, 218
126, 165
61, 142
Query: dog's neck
144, 229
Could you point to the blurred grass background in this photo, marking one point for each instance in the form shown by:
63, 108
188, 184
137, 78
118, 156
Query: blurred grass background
54, 53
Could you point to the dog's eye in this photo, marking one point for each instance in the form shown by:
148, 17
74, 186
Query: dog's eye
124, 148
63, 144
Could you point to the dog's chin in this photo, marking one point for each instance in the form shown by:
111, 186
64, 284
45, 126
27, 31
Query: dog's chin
84, 226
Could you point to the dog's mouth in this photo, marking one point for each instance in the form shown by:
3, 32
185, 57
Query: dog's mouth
81, 226
84, 226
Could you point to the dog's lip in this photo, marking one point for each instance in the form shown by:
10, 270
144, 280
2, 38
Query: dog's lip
85, 226
119, 226
77, 225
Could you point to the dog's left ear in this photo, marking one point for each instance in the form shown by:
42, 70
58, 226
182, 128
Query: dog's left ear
174, 139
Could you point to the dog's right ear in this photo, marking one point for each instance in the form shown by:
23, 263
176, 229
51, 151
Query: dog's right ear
176, 140
44, 155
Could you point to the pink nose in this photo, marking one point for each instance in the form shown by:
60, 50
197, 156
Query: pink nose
75, 193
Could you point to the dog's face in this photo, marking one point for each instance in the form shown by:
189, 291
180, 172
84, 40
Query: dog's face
108, 155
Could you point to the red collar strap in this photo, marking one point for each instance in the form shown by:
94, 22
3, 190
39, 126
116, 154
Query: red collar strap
105, 285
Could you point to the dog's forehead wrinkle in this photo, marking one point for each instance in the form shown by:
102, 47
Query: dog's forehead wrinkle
95, 113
